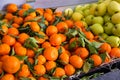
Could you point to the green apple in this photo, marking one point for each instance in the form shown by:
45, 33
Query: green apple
108, 28
76, 16
116, 18
97, 29
98, 19
113, 7
68, 12
104, 35
114, 41
93, 7
107, 18
101, 9
116, 30
89, 19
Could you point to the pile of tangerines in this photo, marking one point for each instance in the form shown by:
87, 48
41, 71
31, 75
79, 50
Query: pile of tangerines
40, 44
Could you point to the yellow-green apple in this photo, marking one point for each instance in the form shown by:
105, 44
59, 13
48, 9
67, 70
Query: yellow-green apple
98, 19
108, 28
86, 12
93, 7
68, 12
104, 35
107, 2
116, 18
107, 18
76, 16
78, 7
97, 29
100, 9
89, 19
113, 7
114, 41
117, 0
116, 30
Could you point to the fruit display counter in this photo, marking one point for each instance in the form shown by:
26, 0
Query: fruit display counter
80, 42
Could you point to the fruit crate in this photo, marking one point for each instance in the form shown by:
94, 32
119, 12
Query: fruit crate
104, 68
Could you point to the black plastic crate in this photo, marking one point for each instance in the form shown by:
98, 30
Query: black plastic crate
104, 68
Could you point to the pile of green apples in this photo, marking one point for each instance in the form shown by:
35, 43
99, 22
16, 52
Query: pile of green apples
102, 18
